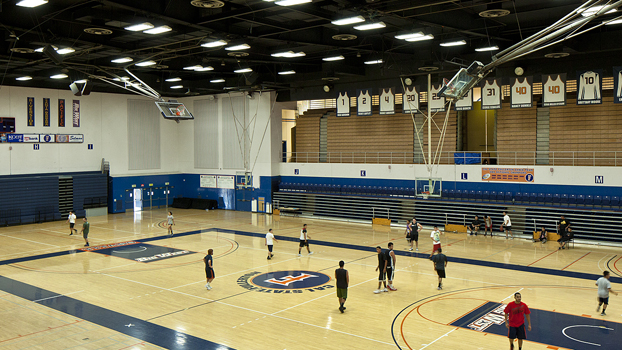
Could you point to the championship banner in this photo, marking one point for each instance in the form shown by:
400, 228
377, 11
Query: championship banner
387, 101
76, 113
554, 90
521, 93
437, 103
31, 111
61, 113
491, 94
343, 104
363, 102
465, 103
508, 174
589, 87
410, 100
46, 111
617, 84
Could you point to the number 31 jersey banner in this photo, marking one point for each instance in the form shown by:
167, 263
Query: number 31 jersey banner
589, 87
491, 94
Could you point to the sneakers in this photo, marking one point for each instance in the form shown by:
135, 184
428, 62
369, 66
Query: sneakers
598, 308
384, 290
417, 249
269, 257
410, 249
378, 291
439, 288
208, 286
86, 245
391, 288
603, 313
310, 253
298, 255
71, 234
341, 308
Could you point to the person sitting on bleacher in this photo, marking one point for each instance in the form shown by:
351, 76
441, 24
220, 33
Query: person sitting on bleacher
541, 236
475, 226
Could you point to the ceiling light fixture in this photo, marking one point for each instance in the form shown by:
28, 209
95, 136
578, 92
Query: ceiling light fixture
420, 38
243, 70
122, 60
409, 35
217, 81
238, 47
349, 20
453, 43
369, 26
158, 30
487, 48
24, 78
121, 79
65, 51
59, 76
146, 63
177, 87
139, 27
292, 2
289, 54
333, 58
204, 69
170, 80
373, 62
81, 81
287, 72
214, 43
32, 3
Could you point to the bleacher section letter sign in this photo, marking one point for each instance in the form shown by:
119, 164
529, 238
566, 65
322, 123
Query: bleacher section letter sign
508, 174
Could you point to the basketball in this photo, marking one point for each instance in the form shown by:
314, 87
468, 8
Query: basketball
178, 112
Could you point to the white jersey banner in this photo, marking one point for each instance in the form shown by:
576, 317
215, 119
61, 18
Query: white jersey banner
491, 94
363, 102
554, 90
617, 84
410, 100
521, 93
437, 103
589, 87
387, 101
465, 103
343, 104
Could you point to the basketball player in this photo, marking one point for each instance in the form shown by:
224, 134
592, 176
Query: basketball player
382, 276
604, 287
389, 266
170, 222
435, 236
515, 313
304, 240
270, 239
71, 219
475, 225
488, 224
415, 228
343, 279
209, 268
440, 262
85, 231
564, 228
507, 225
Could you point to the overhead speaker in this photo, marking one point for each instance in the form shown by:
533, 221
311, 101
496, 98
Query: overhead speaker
49, 51
86, 89
75, 89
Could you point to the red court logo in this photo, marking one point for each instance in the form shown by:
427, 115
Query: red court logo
285, 281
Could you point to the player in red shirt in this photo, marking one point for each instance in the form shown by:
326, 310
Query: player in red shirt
515, 313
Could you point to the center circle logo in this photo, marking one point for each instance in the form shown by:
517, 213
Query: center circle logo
292, 281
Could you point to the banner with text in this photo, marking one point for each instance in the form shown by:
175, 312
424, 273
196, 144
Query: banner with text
61, 113
76, 113
30, 104
46, 111
508, 174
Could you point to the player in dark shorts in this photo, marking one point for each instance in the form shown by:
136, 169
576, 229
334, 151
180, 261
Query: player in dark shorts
209, 268
343, 280
515, 313
564, 232
389, 263
440, 263
413, 234
85, 231
382, 277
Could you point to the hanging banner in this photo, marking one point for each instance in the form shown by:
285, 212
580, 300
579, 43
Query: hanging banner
410, 100
508, 174
363, 102
343, 104
387, 101
46, 112
76, 113
589, 87
437, 103
30, 106
465, 103
61, 113
521, 93
491, 94
617, 84
554, 90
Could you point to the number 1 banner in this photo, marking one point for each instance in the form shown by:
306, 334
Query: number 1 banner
589, 87
387, 101
521, 92
491, 95
343, 104
363, 102
554, 90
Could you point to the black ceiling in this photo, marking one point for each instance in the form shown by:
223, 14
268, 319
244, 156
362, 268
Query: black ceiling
269, 28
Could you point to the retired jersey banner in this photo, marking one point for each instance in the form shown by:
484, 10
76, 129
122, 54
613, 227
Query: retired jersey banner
76, 113
437, 102
30, 105
343, 104
491, 94
589, 87
554, 90
410, 100
387, 101
46, 112
508, 174
61, 113
617, 84
521, 93
465, 103
363, 102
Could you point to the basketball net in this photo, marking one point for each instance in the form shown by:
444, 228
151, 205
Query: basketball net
180, 111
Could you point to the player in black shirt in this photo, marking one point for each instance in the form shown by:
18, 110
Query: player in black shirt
343, 279
382, 277
475, 225
564, 229
209, 268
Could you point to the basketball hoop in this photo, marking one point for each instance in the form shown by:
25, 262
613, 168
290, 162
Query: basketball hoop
180, 110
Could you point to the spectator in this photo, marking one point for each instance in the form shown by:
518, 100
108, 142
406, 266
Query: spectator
541, 235
475, 226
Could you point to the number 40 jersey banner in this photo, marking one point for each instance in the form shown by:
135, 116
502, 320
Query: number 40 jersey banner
521, 93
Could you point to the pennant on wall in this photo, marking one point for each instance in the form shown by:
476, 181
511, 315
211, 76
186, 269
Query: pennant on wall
363, 102
343, 104
76, 113
30, 105
410, 100
521, 93
437, 103
61, 113
617, 84
491, 94
465, 103
46, 111
589, 87
387, 101
554, 90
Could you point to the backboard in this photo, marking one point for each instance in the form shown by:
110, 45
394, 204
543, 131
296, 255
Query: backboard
462, 82
174, 110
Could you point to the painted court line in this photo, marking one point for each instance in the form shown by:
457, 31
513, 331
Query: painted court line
27, 240
439, 338
555, 251
511, 295
576, 260
56, 296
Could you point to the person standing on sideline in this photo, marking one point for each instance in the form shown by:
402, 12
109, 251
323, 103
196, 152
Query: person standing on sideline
604, 288
515, 313
343, 280
270, 239
389, 266
85, 231
435, 236
304, 240
475, 225
415, 228
563, 228
440, 262
507, 224
170, 222
209, 268
488, 225
382, 276
71, 219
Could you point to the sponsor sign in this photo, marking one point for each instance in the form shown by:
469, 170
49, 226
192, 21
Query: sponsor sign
62, 138
46, 111
47, 138
508, 174
31, 138
76, 113
208, 181
61, 113
285, 281
14, 138
76, 138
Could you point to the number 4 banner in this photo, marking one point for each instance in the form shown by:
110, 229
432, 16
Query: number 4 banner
387, 101
589, 87
521, 93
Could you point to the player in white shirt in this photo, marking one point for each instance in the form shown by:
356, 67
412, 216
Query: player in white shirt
435, 236
363, 103
521, 93
270, 239
304, 240
604, 288
343, 105
410, 100
507, 225
387, 102
554, 91
71, 219
491, 95
589, 86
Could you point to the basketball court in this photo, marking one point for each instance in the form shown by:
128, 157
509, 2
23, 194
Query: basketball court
137, 288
